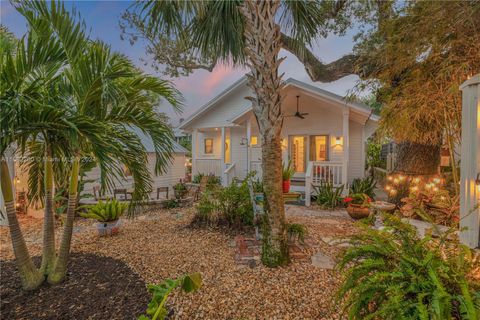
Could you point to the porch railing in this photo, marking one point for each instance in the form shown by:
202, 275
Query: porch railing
209, 166
257, 167
229, 173
326, 171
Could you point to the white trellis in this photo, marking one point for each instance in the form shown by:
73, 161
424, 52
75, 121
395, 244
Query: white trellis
470, 163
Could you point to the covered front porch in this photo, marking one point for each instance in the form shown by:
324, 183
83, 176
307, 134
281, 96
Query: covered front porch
322, 135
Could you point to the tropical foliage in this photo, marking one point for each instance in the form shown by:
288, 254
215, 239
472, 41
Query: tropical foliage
365, 185
64, 96
288, 171
415, 59
156, 308
393, 274
296, 231
231, 205
328, 196
108, 211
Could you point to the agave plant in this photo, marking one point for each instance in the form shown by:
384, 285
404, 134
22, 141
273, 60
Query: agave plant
366, 185
108, 211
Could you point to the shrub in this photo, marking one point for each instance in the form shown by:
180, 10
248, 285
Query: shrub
197, 178
231, 204
110, 210
296, 231
206, 209
329, 196
393, 274
180, 190
156, 308
366, 185
213, 181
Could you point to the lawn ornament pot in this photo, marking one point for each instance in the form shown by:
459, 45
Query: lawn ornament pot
286, 186
109, 228
357, 211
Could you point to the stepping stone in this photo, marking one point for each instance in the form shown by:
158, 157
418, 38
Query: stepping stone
322, 261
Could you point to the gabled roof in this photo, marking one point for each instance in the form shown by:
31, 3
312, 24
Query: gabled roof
212, 102
360, 107
148, 143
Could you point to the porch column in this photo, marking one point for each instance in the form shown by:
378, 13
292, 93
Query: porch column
363, 151
346, 149
194, 151
222, 165
249, 137
470, 164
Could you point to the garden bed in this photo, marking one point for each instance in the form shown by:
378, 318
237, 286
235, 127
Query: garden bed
97, 288
160, 245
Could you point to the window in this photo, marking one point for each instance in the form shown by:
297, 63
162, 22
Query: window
126, 171
227, 150
253, 141
318, 148
208, 146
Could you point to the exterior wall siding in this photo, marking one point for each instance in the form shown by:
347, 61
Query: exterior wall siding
355, 161
173, 174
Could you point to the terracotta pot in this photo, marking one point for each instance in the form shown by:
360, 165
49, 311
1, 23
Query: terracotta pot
108, 228
356, 211
286, 186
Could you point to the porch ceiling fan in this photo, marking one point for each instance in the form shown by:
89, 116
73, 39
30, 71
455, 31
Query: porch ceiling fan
298, 114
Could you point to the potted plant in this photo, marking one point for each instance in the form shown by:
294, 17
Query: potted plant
287, 174
107, 214
180, 190
358, 205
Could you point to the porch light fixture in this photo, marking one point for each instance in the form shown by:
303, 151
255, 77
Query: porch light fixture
284, 143
338, 141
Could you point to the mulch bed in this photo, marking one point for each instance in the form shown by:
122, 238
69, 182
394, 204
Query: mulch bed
97, 288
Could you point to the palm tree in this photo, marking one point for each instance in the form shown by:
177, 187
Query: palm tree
94, 103
247, 33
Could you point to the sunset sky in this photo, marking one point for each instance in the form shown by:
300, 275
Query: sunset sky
102, 18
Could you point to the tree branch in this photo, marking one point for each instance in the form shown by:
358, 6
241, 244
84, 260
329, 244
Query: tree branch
317, 70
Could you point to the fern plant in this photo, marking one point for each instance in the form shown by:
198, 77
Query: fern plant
110, 210
393, 274
329, 196
156, 308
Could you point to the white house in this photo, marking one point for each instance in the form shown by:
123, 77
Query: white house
324, 140
175, 171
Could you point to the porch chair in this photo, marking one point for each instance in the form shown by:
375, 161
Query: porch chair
162, 189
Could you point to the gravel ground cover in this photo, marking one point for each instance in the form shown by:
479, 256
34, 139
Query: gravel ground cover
162, 244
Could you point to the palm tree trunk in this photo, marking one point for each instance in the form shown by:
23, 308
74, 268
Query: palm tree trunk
30, 277
263, 42
48, 256
60, 267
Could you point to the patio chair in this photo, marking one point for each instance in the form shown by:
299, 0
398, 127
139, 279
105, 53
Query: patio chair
120, 192
162, 189
97, 195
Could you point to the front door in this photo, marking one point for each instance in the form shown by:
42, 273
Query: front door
298, 154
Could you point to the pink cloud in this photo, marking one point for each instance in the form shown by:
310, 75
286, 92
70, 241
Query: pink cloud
217, 77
